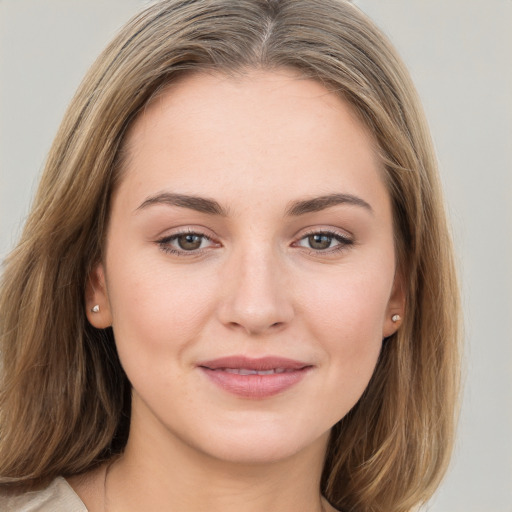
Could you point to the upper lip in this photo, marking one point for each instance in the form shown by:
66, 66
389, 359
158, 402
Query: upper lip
257, 364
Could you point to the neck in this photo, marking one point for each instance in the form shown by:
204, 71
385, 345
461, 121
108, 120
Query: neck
155, 475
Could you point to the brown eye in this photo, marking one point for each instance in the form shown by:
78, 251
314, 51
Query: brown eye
320, 241
185, 244
325, 241
189, 241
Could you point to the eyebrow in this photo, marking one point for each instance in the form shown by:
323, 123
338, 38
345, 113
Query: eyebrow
294, 209
200, 204
317, 204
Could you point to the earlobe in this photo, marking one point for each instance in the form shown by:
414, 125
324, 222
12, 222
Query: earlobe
396, 308
96, 299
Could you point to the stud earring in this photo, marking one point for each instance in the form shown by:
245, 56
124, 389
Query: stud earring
95, 309
396, 318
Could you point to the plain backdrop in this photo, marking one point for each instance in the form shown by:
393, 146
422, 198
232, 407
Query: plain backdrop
460, 55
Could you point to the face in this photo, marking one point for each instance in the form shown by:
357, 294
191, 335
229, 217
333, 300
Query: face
249, 274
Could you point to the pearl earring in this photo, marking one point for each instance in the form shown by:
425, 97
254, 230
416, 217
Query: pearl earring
95, 309
396, 318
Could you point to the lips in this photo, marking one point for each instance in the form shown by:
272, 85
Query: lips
255, 378
247, 371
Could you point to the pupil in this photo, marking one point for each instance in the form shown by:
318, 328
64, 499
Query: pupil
319, 241
189, 242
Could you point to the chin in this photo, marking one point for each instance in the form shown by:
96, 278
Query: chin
261, 444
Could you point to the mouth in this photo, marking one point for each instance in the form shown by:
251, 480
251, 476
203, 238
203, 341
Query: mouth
255, 378
247, 371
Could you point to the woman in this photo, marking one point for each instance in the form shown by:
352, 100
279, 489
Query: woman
236, 288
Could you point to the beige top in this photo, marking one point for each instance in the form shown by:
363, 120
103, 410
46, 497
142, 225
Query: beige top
57, 497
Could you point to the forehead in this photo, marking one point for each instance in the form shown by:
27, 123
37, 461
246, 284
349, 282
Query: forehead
212, 133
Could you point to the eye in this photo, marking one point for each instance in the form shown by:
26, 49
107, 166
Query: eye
190, 241
183, 243
325, 241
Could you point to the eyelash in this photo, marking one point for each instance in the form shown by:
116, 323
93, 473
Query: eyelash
343, 243
164, 243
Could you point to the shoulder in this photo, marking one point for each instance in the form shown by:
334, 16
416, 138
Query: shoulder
57, 497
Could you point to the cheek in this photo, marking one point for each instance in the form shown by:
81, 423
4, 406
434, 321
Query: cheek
156, 312
346, 315
351, 302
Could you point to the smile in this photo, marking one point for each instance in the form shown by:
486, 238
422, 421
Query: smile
247, 371
258, 378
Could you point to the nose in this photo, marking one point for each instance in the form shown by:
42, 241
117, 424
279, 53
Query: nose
256, 298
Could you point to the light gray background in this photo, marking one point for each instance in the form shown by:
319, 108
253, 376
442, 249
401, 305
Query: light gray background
460, 55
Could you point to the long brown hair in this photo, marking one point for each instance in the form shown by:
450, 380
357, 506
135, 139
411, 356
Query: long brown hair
64, 398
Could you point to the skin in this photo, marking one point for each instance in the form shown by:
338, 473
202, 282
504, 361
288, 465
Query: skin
258, 285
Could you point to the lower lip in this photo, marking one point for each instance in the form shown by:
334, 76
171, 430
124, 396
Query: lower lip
255, 386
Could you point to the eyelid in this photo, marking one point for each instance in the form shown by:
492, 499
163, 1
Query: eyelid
335, 232
164, 242
330, 231
345, 240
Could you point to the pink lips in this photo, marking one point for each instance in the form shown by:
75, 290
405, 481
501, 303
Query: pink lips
255, 378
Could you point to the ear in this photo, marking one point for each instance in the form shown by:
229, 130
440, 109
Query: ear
396, 306
96, 299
